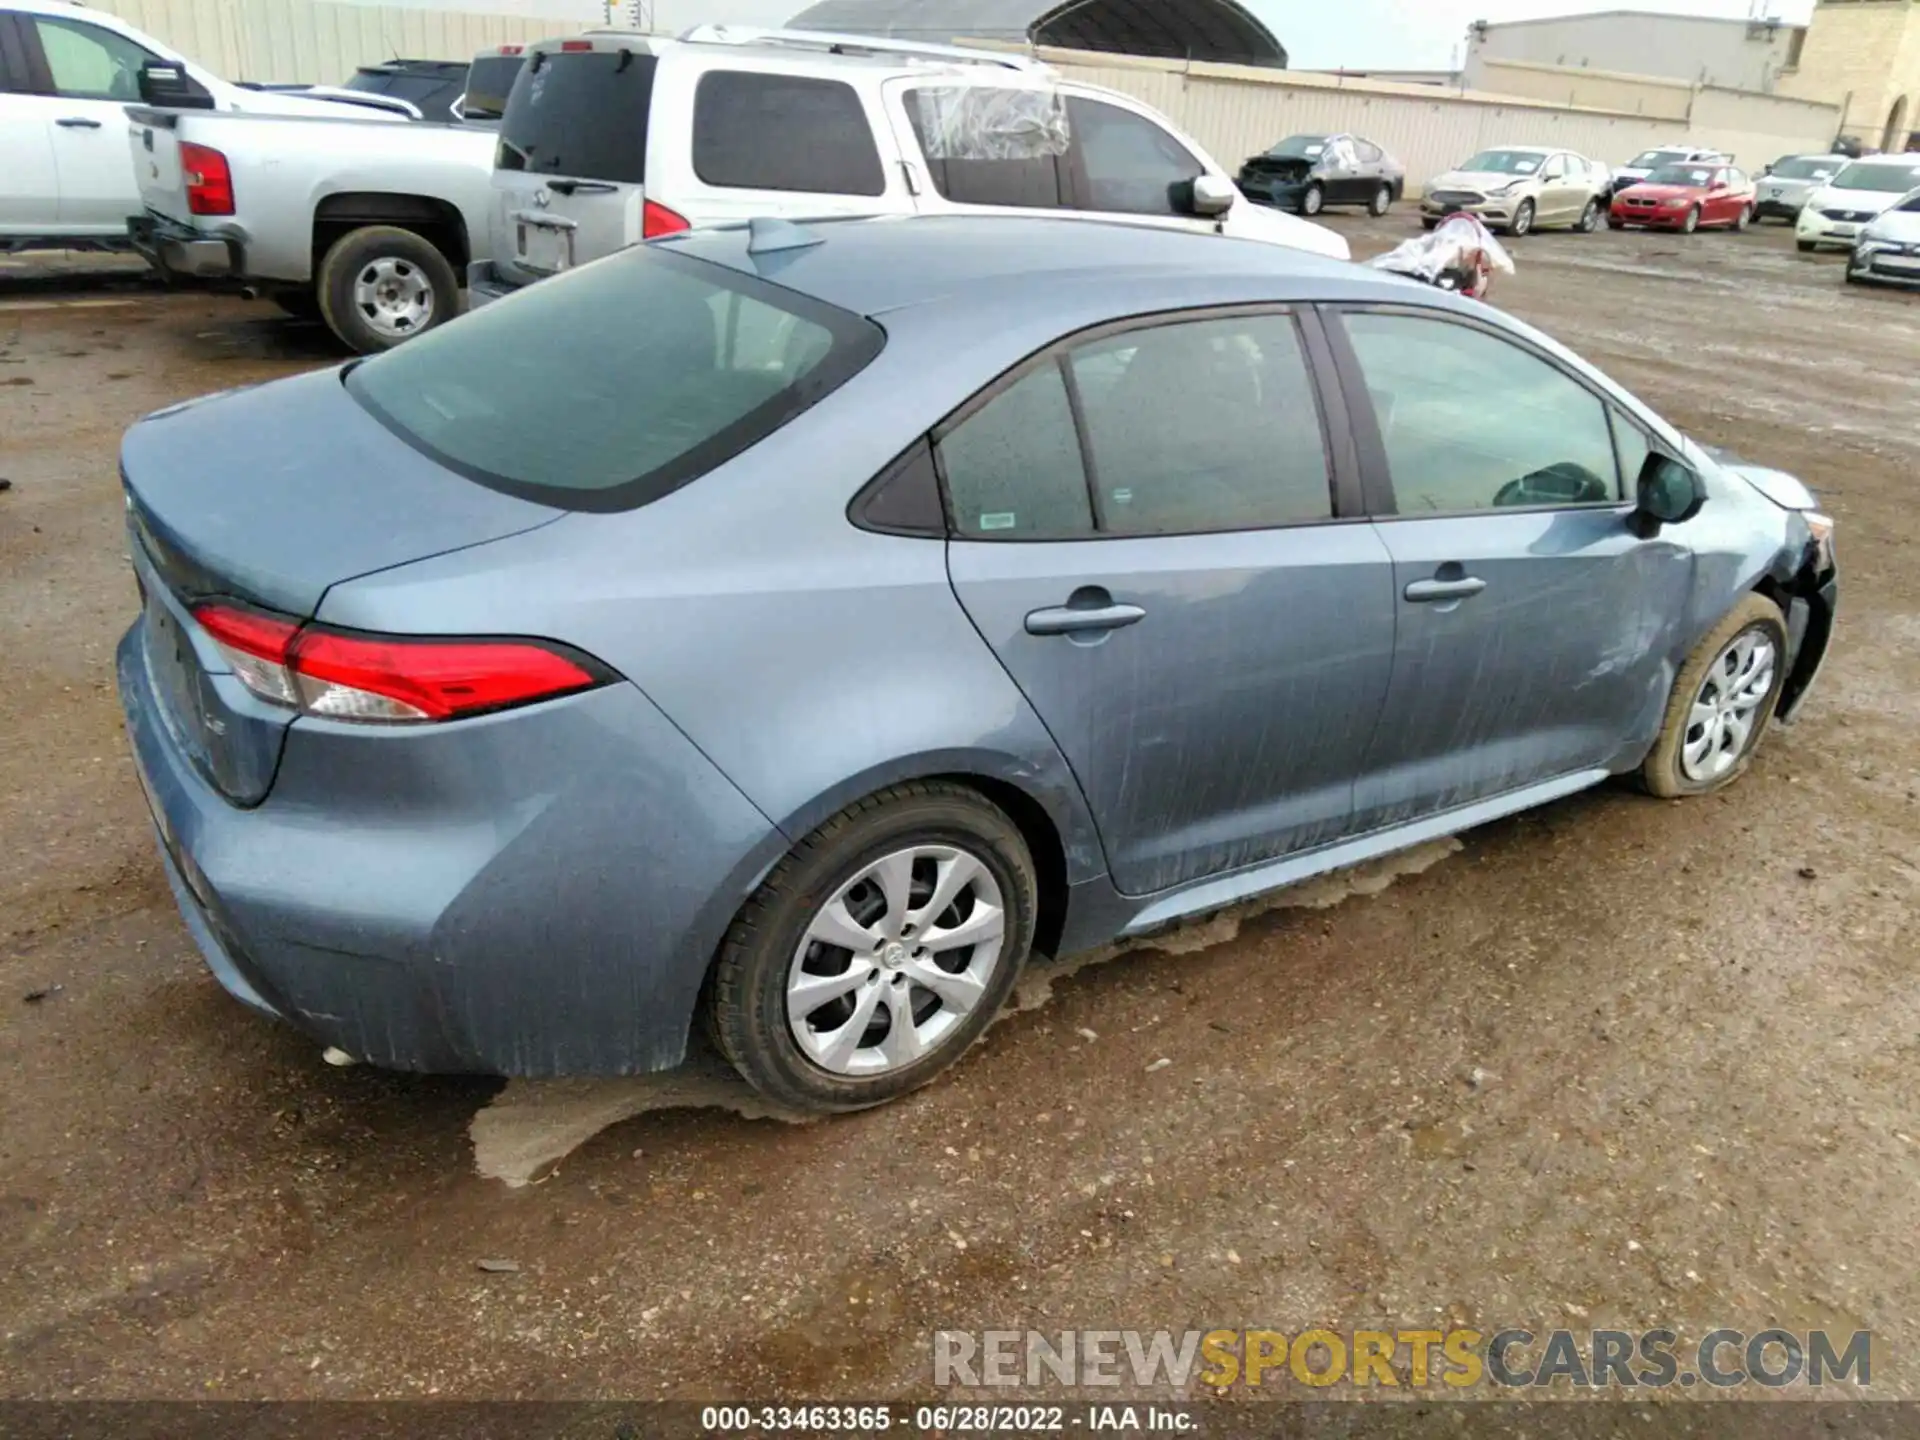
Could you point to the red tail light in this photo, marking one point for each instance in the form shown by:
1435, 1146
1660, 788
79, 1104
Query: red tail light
510, 49
657, 220
575, 46
396, 679
209, 180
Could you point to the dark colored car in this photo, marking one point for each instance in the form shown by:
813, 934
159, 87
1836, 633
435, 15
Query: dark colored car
799, 627
1686, 198
447, 91
1307, 173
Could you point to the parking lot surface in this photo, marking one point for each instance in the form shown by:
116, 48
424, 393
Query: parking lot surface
1614, 1063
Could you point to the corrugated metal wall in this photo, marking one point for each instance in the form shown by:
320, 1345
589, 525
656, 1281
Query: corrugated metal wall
317, 41
1236, 111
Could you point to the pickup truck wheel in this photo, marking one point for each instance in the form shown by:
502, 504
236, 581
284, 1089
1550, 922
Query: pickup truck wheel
382, 285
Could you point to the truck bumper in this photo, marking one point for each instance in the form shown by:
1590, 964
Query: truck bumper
179, 252
485, 285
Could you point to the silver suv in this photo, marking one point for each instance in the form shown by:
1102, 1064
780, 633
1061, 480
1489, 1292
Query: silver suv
614, 137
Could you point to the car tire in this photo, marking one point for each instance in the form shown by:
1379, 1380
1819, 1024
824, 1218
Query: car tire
1313, 199
1382, 201
381, 285
1614, 222
297, 304
1742, 220
1589, 218
769, 951
1677, 765
1692, 222
1522, 223
1805, 247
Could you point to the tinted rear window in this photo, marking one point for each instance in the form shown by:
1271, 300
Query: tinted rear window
581, 114
489, 82
606, 387
783, 132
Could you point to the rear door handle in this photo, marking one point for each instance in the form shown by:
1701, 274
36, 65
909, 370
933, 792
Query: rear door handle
1072, 620
77, 122
1427, 592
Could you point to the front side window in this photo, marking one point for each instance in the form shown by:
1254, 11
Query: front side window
611, 385
1127, 163
1472, 421
88, 62
1189, 428
755, 131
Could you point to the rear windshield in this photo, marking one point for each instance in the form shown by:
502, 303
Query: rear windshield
1864, 175
609, 386
489, 80
581, 114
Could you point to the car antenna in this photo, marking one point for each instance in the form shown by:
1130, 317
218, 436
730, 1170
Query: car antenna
768, 235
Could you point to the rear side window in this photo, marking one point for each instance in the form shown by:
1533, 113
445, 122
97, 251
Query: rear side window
1013, 467
489, 82
1011, 163
580, 114
783, 132
609, 386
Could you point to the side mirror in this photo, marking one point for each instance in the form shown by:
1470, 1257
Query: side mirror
1213, 195
1668, 493
166, 84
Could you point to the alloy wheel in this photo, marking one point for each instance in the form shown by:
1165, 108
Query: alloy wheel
894, 963
394, 296
1726, 714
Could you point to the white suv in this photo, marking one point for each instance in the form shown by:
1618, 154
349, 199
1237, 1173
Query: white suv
613, 137
67, 75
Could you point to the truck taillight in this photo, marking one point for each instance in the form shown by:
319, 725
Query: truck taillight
657, 220
209, 179
346, 675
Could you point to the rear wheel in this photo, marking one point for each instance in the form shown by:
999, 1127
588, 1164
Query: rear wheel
1722, 703
1522, 223
1382, 201
877, 951
1314, 200
382, 285
1743, 219
1589, 218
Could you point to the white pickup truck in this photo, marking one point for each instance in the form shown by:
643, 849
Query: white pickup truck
67, 74
366, 225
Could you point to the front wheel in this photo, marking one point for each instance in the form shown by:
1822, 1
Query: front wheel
877, 951
1692, 222
1382, 201
1589, 218
1522, 220
381, 285
1722, 703
1314, 200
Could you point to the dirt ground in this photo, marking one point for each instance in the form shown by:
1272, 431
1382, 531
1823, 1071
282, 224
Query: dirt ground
1615, 1063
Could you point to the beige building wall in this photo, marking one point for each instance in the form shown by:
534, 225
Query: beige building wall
1864, 55
1237, 110
319, 41
1598, 89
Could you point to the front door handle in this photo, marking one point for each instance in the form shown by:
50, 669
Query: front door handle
77, 122
1428, 592
1077, 620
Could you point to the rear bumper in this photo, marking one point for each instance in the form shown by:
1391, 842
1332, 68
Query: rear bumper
180, 252
485, 284
533, 893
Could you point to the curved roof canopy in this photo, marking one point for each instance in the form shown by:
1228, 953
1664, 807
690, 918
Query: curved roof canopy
1220, 30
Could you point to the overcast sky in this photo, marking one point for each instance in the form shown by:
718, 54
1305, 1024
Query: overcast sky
1358, 34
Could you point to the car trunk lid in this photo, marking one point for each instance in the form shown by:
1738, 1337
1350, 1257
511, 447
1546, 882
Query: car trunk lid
570, 175
269, 497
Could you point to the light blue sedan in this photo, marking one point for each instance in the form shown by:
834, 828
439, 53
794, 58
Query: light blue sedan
803, 628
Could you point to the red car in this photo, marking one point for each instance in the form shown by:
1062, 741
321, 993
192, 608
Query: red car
1684, 198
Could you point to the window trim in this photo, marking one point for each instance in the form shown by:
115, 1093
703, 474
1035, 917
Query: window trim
1377, 474
733, 73
1343, 473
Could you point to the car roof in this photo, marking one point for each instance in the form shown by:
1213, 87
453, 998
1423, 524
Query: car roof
885, 265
